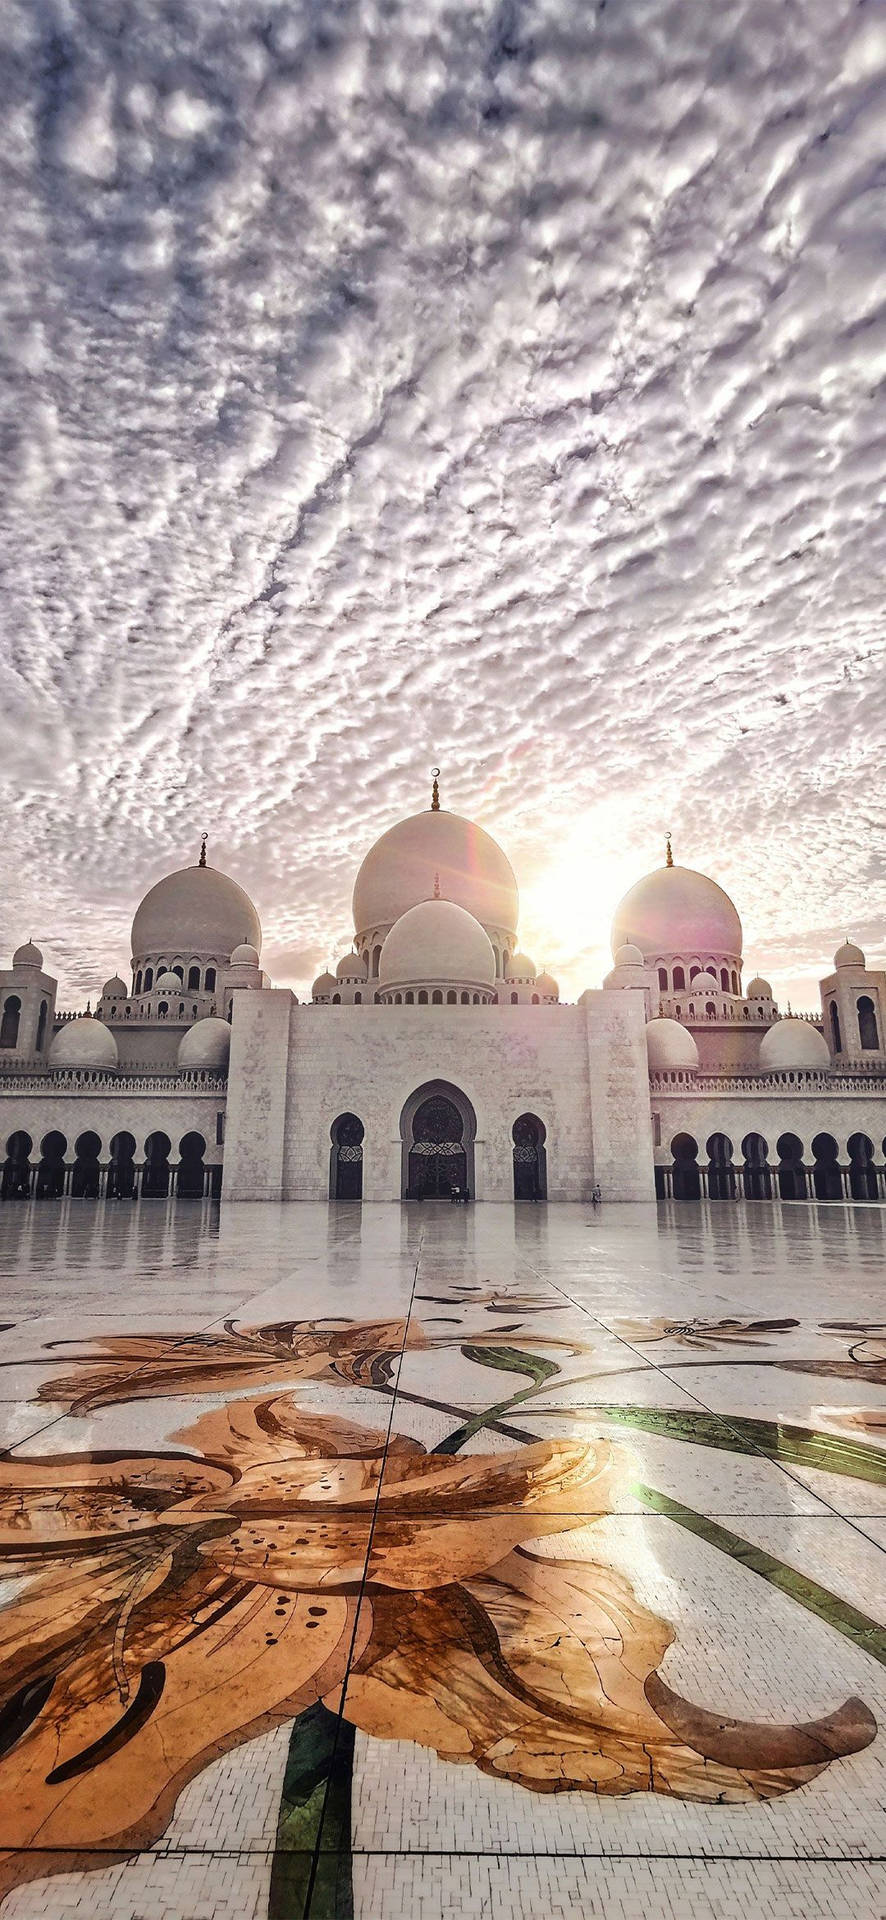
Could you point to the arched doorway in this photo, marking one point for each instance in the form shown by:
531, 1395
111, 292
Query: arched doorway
721, 1172
530, 1160
190, 1178
121, 1172
791, 1171
757, 1177
863, 1182
438, 1128
687, 1179
86, 1179
15, 1181
826, 1179
346, 1158
51, 1171
155, 1179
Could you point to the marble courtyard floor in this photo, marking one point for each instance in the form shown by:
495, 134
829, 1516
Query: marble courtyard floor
433, 1562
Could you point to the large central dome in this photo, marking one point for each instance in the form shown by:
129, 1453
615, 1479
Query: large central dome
406, 863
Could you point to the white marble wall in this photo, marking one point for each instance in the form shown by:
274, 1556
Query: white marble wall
255, 1123
564, 1064
738, 1113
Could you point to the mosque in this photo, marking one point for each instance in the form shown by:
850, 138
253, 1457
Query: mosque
437, 1061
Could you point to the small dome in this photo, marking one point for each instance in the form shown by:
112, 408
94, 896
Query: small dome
704, 983
793, 1043
437, 941
27, 956
628, 956
849, 955
245, 956
547, 987
676, 910
206, 1044
520, 967
668, 1045
115, 989
168, 983
758, 989
84, 1042
324, 985
352, 967
195, 910
398, 872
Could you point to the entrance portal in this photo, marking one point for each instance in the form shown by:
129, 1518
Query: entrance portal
346, 1162
438, 1127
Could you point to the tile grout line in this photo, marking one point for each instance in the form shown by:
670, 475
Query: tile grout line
317, 1850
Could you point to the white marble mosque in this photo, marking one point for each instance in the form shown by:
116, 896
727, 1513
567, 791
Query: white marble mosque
436, 1059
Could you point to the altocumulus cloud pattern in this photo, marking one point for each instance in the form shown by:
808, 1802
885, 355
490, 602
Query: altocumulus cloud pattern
498, 384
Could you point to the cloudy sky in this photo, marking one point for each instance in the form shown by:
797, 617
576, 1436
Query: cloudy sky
490, 385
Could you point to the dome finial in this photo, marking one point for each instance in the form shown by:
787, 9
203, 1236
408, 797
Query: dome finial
435, 790
669, 857
202, 860
437, 886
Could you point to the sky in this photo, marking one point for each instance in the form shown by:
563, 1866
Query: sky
495, 386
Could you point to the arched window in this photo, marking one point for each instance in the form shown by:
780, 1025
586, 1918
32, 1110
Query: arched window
15, 1180
826, 1179
9, 1025
721, 1173
497, 962
436, 998
398, 999
476, 999
181, 973
863, 1184
149, 979
691, 1010
121, 1172
138, 981
346, 1158
791, 1171
410, 997
710, 1010
530, 1163
209, 980
51, 1171
734, 981
358, 999
193, 979
867, 1024
663, 979
181, 1009
336, 999
465, 999
515, 999
41, 1025
163, 1009
376, 956
835, 1028
694, 973
679, 980
190, 1178
535, 1000
757, 1177
155, 1179
452, 998
724, 979
686, 1177
422, 996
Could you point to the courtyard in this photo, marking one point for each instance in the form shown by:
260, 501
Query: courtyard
433, 1561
